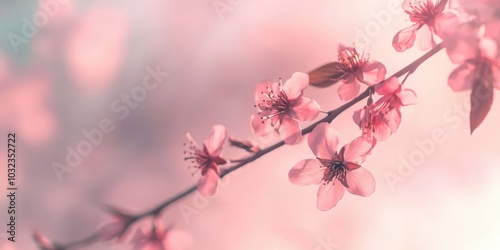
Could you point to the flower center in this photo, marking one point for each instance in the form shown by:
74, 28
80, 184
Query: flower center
423, 11
334, 169
352, 60
274, 104
198, 158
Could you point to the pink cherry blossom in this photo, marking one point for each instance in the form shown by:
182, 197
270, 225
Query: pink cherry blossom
159, 238
333, 171
372, 125
424, 14
357, 69
207, 159
281, 105
381, 119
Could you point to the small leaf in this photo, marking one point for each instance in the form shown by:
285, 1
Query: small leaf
481, 101
326, 75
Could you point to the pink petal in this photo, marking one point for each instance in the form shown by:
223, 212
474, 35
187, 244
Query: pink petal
373, 72
265, 87
488, 48
388, 87
289, 130
462, 77
446, 23
191, 140
393, 118
329, 194
348, 90
358, 116
360, 182
405, 38
305, 109
425, 39
177, 240
295, 85
382, 131
215, 141
407, 97
306, 172
407, 5
462, 44
323, 141
496, 75
259, 128
357, 151
207, 185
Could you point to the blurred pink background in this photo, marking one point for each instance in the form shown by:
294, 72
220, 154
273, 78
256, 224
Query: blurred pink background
64, 79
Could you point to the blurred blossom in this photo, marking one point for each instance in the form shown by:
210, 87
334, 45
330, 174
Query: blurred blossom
24, 106
43, 242
159, 238
115, 228
95, 48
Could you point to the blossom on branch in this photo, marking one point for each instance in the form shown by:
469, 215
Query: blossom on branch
357, 69
381, 119
425, 15
334, 171
207, 159
281, 105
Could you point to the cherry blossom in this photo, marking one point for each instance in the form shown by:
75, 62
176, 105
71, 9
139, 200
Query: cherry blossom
334, 171
281, 105
355, 69
426, 16
381, 119
388, 107
159, 238
207, 159
371, 124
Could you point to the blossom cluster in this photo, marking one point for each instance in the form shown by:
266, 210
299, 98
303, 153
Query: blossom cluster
468, 30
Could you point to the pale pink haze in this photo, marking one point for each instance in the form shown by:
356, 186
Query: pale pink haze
207, 159
334, 171
25, 101
94, 51
161, 239
357, 69
427, 16
281, 105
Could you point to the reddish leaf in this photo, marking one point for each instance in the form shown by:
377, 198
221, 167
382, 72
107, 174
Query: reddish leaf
481, 101
326, 75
